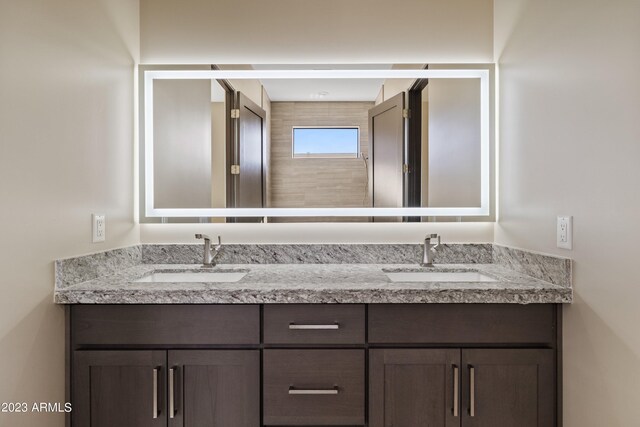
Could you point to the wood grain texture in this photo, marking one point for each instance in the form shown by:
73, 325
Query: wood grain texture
349, 318
115, 388
316, 182
513, 387
409, 388
165, 324
313, 369
507, 324
216, 388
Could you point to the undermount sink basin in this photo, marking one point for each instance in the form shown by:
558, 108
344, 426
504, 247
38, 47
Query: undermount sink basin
194, 276
438, 276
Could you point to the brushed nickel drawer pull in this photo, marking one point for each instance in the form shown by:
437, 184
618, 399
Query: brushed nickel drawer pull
315, 327
293, 390
172, 383
472, 391
155, 392
456, 401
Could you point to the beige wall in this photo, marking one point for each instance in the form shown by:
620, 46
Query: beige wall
266, 105
317, 182
453, 166
570, 145
316, 31
363, 232
182, 129
66, 150
218, 155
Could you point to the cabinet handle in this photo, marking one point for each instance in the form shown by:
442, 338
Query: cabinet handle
156, 412
293, 390
317, 327
472, 391
172, 384
456, 393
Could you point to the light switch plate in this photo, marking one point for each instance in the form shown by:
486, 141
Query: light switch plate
99, 229
564, 232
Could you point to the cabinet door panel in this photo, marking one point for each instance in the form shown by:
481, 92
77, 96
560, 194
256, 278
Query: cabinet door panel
118, 388
507, 388
411, 388
215, 388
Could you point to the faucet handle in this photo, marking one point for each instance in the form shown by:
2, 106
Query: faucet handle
219, 246
430, 237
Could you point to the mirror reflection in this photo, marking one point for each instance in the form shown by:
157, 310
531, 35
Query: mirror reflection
325, 143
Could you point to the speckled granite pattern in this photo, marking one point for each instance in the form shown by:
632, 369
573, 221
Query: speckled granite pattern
80, 269
551, 269
314, 283
319, 254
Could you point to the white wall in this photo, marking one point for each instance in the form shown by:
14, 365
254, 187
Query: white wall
316, 31
66, 150
570, 144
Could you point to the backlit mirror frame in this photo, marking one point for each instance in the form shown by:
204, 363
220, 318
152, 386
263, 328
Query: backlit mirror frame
483, 210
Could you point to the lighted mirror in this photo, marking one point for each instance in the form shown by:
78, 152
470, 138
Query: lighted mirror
309, 143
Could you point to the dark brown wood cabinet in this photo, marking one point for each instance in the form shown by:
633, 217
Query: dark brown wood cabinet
214, 388
414, 387
376, 365
119, 388
508, 387
461, 388
180, 388
314, 387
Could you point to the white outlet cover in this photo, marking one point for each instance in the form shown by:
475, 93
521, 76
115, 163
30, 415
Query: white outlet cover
564, 232
99, 228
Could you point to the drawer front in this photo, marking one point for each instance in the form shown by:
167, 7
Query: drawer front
165, 325
313, 387
314, 324
462, 324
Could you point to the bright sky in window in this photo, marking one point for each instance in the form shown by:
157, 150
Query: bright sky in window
325, 142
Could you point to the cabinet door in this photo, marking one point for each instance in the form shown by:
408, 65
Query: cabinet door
506, 388
119, 388
214, 388
414, 388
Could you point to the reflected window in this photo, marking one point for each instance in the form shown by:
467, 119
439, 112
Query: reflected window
327, 142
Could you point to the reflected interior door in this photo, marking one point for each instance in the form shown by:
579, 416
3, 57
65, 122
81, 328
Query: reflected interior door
249, 153
386, 147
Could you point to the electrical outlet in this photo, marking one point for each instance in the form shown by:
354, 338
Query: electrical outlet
564, 232
99, 227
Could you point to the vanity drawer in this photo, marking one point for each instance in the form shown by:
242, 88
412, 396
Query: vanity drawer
314, 324
462, 324
313, 387
165, 324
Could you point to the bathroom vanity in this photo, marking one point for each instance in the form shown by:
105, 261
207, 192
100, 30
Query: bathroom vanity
314, 344
312, 365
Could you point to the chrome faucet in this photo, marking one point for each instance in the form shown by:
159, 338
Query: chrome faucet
429, 250
209, 259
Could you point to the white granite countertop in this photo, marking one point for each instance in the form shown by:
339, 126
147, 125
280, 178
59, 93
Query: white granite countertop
313, 283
